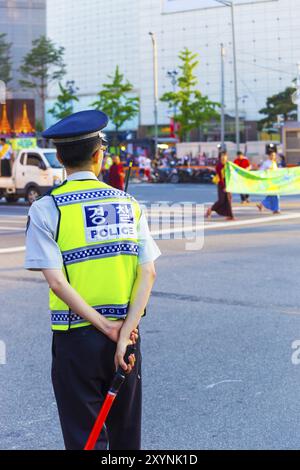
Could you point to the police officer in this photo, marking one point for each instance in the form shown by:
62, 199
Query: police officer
93, 245
6, 154
107, 163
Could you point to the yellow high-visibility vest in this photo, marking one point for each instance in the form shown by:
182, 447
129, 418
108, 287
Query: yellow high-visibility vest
97, 237
108, 163
5, 151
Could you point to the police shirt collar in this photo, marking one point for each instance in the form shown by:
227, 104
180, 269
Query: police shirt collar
82, 175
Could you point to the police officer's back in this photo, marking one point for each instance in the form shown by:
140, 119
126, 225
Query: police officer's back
93, 245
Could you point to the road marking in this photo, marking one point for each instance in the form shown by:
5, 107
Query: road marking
162, 202
13, 223
5, 221
14, 229
228, 224
192, 228
291, 311
258, 220
223, 382
15, 249
12, 218
14, 207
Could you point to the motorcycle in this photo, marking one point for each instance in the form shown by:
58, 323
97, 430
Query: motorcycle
168, 174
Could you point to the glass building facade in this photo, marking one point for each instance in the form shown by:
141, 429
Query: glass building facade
22, 21
100, 34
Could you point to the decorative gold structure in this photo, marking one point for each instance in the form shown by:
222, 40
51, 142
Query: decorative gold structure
5, 127
25, 126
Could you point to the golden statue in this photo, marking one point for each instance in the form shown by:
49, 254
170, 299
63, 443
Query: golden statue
25, 126
4, 122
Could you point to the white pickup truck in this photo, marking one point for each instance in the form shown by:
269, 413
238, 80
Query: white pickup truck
33, 173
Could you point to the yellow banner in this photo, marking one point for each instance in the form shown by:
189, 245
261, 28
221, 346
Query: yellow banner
281, 182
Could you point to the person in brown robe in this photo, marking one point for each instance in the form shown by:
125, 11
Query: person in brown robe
223, 206
117, 174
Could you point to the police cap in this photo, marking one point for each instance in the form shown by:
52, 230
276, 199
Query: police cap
82, 126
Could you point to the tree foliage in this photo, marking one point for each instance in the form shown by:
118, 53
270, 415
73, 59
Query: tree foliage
193, 108
5, 59
63, 107
276, 105
42, 66
113, 100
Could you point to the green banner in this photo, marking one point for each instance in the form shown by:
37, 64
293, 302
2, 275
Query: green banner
281, 182
23, 143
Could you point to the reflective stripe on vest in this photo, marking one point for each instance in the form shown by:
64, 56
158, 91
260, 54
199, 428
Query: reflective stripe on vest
97, 237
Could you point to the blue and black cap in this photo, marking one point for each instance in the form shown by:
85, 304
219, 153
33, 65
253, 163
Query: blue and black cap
79, 127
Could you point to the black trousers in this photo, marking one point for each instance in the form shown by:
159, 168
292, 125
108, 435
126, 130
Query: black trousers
5, 167
82, 371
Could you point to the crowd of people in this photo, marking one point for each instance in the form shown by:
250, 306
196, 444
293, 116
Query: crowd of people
113, 173
113, 166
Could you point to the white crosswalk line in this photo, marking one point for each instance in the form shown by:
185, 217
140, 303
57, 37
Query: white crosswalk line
12, 223
17, 223
238, 223
15, 249
12, 229
7, 221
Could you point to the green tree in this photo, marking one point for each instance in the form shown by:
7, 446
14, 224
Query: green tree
63, 106
42, 66
5, 59
39, 126
278, 104
193, 108
113, 100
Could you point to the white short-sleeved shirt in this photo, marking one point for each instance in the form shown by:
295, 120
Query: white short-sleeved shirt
42, 251
269, 165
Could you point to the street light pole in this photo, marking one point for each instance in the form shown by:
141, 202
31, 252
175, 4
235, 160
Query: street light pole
155, 79
237, 118
230, 4
222, 98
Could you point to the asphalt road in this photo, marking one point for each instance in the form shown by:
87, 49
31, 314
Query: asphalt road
217, 339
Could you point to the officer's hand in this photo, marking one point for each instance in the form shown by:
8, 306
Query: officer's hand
113, 329
134, 336
119, 357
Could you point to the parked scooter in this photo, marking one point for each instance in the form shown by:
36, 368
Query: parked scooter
168, 174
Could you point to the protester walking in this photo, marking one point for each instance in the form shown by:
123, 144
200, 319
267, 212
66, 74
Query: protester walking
223, 206
243, 162
117, 174
147, 169
272, 203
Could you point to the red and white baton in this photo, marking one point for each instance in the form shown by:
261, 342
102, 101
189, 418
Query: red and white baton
118, 380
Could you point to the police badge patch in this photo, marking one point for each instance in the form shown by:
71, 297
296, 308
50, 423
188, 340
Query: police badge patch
108, 221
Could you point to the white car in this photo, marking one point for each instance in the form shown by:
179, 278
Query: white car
34, 172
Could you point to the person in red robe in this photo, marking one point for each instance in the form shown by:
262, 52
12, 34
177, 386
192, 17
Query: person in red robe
117, 174
243, 162
223, 206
